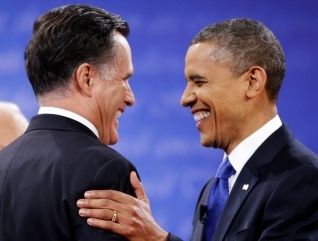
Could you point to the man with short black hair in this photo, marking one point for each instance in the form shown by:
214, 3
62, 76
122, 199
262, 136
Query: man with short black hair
267, 185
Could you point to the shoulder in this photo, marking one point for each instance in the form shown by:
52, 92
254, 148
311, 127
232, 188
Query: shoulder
97, 151
297, 154
112, 172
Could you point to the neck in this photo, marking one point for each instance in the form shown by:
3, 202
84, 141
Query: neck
66, 102
253, 122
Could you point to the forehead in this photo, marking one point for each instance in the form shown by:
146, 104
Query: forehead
205, 60
199, 57
123, 45
125, 66
199, 54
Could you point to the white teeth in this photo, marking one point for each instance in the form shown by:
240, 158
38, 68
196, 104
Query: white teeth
118, 113
201, 116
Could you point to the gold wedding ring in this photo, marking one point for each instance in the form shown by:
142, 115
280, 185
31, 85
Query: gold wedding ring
114, 216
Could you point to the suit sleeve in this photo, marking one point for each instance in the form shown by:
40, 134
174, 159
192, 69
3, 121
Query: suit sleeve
113, 175
291, 211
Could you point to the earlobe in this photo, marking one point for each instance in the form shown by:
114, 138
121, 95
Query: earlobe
83, 75
256, 81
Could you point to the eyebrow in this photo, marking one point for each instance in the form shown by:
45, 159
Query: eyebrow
195, 76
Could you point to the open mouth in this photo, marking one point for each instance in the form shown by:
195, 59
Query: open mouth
201, 115
118, 113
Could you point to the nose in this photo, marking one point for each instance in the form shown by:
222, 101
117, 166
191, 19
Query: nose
188, 97
130, 98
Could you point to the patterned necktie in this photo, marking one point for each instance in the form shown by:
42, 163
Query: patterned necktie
217, 198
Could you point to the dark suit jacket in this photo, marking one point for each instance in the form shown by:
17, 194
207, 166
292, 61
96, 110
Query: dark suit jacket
45, 171
281, 201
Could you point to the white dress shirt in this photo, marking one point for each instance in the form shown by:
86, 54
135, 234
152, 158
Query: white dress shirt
240, 155
69, 114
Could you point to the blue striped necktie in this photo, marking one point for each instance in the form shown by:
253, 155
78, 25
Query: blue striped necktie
217, 198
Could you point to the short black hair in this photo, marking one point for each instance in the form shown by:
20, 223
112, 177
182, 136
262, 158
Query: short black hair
243, 43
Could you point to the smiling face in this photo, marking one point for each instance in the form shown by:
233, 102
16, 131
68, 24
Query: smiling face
114, 94
216, 98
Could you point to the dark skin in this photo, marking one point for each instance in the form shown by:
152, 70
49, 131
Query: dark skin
227, 110
134, 219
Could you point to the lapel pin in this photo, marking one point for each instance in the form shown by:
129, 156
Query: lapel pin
245, 187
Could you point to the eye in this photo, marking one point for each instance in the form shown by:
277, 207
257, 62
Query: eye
199, 83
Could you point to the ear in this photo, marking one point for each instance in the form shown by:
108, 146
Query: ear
84, 77
256, 81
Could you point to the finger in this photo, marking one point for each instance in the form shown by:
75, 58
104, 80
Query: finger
110, 195
104, 214
138, 187
95, 207
134, 180
108, 225
97, 203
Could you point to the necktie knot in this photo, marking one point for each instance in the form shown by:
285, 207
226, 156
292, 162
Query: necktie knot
226, 170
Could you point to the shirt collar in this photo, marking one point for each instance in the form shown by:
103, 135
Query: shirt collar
240, 155
69, 114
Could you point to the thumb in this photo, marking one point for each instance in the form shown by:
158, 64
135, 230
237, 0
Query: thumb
138, 187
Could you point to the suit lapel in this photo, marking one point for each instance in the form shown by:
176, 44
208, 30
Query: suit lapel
249, 176
198, 227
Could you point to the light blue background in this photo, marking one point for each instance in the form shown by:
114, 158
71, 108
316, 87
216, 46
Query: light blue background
157, 134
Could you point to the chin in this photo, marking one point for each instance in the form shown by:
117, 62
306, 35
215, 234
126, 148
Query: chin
206, 145
206, 142
113, 143
110, 140
113, 139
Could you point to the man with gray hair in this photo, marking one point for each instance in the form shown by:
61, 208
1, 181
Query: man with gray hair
78, 62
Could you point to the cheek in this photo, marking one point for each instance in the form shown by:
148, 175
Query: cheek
112, 102
117, 99
208, 96
109, 98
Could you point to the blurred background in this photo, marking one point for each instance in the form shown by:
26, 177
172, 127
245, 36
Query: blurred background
157, 134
